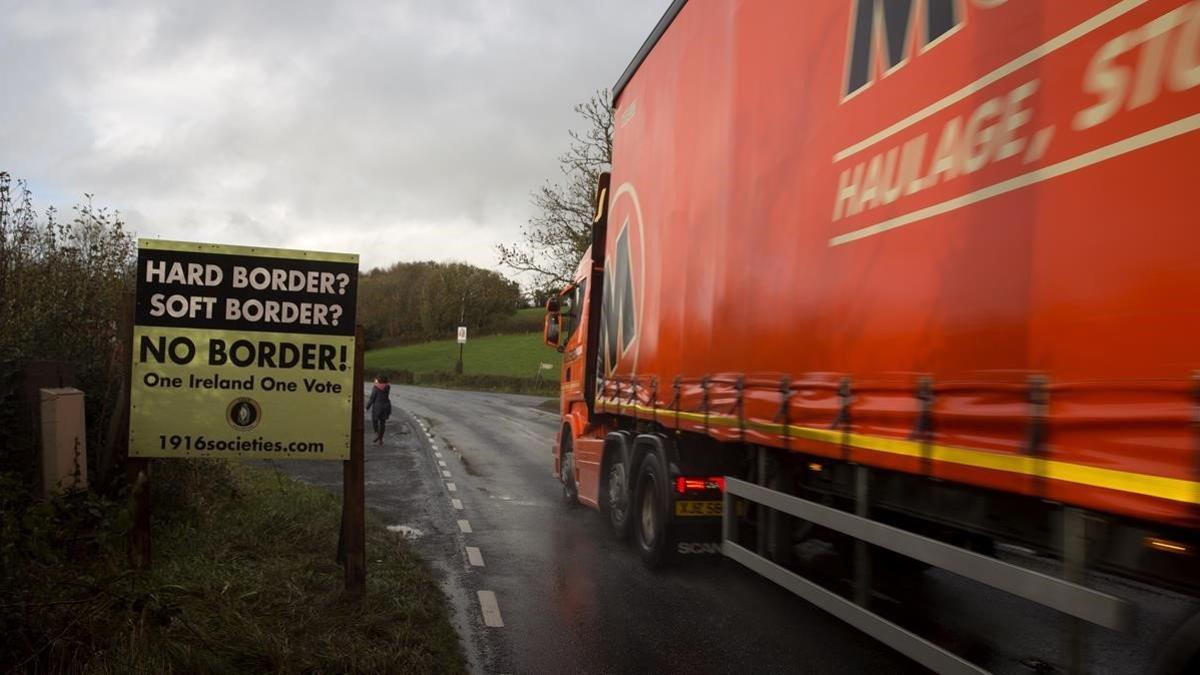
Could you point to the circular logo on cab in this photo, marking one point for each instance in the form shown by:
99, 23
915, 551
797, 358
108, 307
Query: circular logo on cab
243, 414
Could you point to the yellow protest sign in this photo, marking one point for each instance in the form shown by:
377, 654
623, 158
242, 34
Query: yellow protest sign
242, 352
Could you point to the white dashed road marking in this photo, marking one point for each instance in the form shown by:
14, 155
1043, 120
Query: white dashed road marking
437, 454
441, 463
446, 474
457, 504
451, 487
474, 556
491, 609
464, 526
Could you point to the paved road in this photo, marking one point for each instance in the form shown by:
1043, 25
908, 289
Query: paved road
540, 588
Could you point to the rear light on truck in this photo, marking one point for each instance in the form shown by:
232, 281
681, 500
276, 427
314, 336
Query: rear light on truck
1167, 545
684, 485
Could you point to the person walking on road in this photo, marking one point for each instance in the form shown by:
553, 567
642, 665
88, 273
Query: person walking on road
380, 405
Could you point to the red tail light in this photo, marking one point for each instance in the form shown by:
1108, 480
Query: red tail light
684, 485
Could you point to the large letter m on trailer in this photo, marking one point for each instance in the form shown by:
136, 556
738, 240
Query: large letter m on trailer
882, 32
618, 326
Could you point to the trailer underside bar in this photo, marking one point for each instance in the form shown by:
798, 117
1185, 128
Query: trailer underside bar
911, 645
1067, 597
1070, 598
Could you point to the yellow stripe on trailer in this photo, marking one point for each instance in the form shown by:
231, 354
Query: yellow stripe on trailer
1162, 487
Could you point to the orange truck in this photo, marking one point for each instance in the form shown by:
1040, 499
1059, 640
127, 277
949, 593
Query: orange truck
944, 250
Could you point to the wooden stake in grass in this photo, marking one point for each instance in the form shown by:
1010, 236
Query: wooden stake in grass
353, 547
138, 472
137, 469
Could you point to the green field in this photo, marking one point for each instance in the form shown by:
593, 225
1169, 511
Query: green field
511, 355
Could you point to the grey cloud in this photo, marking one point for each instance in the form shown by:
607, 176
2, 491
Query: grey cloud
407, 130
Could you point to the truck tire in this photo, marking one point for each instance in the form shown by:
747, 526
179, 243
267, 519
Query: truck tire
570, 490
617, 497
649, 513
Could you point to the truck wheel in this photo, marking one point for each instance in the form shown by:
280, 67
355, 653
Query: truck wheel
617, 504
649, 513
570, 490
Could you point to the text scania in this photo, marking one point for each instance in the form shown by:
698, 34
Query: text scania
688, 547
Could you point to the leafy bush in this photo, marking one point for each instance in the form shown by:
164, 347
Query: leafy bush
62, 284
414, 301
60, 573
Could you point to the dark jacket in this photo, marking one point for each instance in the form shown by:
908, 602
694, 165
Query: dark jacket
380, 403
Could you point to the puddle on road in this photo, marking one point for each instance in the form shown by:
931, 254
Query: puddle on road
405, 531
507, 499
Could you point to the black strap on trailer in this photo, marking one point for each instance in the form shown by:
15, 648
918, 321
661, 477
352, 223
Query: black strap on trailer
633, 398
654, 398
783, 415
842, 421
704, 400
1035, 439
740, 405
1196, 433
923, 428
675, 402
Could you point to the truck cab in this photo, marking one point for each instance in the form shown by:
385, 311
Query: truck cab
565, 329
572, 326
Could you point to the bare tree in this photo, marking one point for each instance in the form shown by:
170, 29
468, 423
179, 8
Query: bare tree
561, 229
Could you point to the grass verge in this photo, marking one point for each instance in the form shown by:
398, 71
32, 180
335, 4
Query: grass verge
244, 580
517, 355
499, 383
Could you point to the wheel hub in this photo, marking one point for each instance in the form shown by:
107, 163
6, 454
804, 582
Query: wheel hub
616, 491
648, 519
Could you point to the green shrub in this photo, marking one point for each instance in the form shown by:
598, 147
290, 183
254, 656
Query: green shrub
62, 285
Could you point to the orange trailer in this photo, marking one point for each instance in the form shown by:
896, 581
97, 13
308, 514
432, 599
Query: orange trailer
950, 240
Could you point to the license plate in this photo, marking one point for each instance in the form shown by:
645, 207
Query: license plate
695, 508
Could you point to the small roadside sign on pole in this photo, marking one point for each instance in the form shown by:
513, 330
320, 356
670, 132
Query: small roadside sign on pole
462, 340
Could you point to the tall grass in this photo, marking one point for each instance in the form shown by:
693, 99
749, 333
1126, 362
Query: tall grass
244, 580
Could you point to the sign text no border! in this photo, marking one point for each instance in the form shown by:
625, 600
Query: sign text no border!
242, 352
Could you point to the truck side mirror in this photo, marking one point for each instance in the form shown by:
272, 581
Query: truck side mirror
551, 329
552, 305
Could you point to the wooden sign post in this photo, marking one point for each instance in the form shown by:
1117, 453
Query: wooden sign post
354, 528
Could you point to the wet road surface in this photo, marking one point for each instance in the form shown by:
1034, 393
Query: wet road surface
538, 587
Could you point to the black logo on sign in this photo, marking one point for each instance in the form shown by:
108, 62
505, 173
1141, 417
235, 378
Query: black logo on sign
243, 414
888, 24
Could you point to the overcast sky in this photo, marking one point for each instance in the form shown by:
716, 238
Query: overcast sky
397, 130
